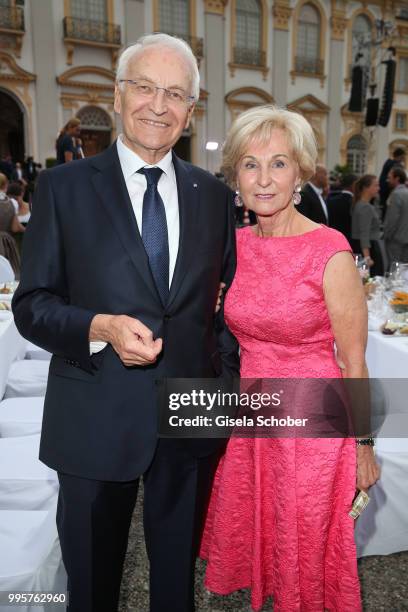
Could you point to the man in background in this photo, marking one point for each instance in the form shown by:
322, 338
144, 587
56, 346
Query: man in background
313, 204
396, 220
398, 159
339, 205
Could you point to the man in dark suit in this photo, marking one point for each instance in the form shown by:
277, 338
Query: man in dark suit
120, 279
312, 204
339, 205
398, 159
396, 220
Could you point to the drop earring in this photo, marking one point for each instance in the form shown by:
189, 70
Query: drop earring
238, 200
297, 198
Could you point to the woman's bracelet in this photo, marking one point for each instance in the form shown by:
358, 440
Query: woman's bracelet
365, 442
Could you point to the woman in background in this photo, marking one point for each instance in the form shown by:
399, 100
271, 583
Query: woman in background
278, 521
16, 191
9, 225
365, 224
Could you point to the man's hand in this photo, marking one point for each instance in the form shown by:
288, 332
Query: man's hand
133, 341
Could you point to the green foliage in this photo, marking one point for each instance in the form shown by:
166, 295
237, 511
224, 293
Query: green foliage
50, 162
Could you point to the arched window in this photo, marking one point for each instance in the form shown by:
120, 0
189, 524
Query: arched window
96, 128
357, 154
94, 118
174, 17
94, 10
308, 58
248, 33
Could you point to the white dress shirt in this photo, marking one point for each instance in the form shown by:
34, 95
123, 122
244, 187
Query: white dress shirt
167, 186
322, 202
136, 185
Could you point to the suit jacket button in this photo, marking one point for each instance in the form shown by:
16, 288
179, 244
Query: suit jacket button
167, 317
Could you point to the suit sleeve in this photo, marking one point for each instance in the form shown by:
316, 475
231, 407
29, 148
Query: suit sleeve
41, 307
364, 216
227, 344
392, 217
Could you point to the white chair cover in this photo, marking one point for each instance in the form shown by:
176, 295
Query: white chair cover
11, 344
30, 557
27, 378
35, 352
21, 416
6, 271
25, 482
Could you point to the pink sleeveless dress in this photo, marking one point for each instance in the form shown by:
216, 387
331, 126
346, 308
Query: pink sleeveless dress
278, 516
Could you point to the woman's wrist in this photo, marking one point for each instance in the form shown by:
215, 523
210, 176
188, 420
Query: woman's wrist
365, 441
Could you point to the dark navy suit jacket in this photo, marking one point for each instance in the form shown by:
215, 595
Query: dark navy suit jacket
83, 255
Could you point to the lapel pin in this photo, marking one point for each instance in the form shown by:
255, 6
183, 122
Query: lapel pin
195, 185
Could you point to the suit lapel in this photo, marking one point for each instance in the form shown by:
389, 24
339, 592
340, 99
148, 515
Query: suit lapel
188, 192
110, 185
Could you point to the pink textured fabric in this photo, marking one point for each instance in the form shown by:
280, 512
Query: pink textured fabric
278, 517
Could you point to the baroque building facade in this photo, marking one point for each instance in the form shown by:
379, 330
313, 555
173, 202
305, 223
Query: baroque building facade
58, 60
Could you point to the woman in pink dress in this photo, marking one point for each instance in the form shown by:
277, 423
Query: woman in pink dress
278, 519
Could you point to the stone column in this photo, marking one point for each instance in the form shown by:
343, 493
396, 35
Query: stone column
44, 60
215, 67
280, 58
335, 68
134, 20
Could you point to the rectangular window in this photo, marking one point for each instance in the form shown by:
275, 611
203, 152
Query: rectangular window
94, 10
403, 74
174, 17
401, 122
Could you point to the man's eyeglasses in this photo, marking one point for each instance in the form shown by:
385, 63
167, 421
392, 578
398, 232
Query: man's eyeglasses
147, 90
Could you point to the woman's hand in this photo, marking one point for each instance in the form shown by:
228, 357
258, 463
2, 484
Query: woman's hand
219, 298
368, 470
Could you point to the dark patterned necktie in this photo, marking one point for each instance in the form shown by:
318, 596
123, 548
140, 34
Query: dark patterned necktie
154, 232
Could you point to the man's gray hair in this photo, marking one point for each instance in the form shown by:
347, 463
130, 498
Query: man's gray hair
163, 41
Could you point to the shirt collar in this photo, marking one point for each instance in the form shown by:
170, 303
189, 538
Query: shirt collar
317, 189
131, 162
348, 192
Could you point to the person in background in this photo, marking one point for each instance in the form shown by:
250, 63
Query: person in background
66, 145
80, 150
313, 205
339, 205
16, 191
396, 219
398, 159
18, 173
31, 169
365, 224
6, 166
9, 225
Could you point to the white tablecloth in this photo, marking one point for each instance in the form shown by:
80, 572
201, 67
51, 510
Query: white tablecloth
387, 356
383, 527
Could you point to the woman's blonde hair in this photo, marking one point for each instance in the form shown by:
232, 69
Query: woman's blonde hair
256, 125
